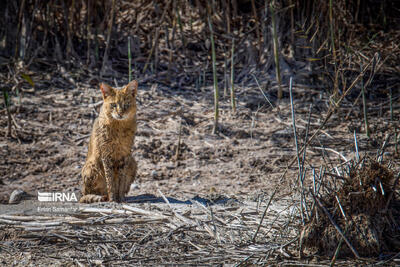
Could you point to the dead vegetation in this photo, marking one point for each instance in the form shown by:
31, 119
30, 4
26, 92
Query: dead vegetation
280, 183
360, 210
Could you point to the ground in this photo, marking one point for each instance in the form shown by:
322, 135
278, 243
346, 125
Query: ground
249, 154
253, 154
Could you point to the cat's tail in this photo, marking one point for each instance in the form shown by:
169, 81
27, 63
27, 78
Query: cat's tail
93, 198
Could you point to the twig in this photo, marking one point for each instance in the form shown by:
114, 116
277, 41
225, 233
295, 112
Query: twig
157, 34
294, 126
356, 146
141, 211
129, 60
110, 26
365, 109
178, 146
338, 248
88, 32
382, 150
276, 50
262, 217
214, 63
214, 226
262, 92
242, 263
331, 110
331, 150
336, 226
6, 102
391, 120
297, 147
233, 98
341, 208
392, 192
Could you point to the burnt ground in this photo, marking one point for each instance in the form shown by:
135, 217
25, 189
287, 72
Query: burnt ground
241, 166
249, 155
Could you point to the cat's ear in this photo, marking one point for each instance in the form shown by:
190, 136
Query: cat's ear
106, 90
132, 88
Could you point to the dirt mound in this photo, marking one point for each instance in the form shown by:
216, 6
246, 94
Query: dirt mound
363, 209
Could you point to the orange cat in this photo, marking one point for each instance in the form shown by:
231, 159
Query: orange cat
110, 167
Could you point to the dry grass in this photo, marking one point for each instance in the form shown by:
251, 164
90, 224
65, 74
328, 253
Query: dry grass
360, 208
335, 53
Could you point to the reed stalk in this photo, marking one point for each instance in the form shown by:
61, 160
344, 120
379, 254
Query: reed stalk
20, 15
225, 77
365, 110
391, 120
129, 59
331, 27
157, 34
180, 24
88, 33
96, 44
257, 22
7, 105
276, 51
110, 26
233, 98
216, 93
332, 34
297, 147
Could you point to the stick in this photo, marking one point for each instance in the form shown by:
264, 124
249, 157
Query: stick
262, 92
129, 59
216, 91
331, 110
157, 34
294, 126
356, 146
336, 227
276, 51
88, 33
297, 147
6, 102
178, 146
110, 26
365, 109
143, 212
392, 192
262, 217
233, 99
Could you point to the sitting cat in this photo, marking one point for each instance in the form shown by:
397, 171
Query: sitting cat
110, 168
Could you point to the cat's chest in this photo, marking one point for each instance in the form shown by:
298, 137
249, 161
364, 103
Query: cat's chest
121, 138
116, 139
121, 133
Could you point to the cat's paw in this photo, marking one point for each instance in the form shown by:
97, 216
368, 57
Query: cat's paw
111, 197
119, 199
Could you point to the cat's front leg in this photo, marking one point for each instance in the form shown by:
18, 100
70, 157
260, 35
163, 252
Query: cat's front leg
109, 173
127, 175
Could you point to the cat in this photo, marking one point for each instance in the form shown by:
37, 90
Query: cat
110, 168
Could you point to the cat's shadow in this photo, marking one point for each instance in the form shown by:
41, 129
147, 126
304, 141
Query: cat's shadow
149, 198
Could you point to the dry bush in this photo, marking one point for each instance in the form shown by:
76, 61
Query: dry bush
365, 209
175, 48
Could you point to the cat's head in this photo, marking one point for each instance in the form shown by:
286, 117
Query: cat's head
120, 104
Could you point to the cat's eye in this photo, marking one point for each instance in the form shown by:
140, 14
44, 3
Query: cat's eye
127, 105
113, 105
